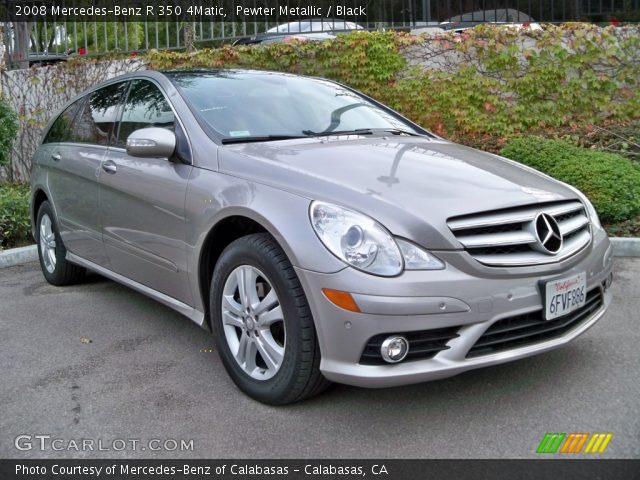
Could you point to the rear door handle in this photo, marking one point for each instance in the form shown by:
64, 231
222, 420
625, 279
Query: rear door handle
56, 157
110, 167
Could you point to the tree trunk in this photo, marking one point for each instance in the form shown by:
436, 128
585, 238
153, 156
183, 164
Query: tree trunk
188, 36
20, 54
3, 54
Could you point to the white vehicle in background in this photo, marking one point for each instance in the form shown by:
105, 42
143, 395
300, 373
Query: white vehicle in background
313, 29
504, 17
316, 25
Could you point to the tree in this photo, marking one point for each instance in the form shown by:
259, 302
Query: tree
20, 52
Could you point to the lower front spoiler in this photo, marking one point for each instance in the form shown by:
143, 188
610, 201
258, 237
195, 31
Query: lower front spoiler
447, 363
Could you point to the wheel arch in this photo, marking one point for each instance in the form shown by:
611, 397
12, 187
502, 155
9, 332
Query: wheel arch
226, 230
38, 198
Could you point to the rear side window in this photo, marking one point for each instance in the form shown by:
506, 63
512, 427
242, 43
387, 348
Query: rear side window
61, 130
97, 121
146, 107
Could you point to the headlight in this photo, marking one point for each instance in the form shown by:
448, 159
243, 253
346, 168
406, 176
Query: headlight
416, 258
356, 239
363, 243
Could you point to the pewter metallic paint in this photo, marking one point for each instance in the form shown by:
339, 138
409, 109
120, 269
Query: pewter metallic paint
146, 224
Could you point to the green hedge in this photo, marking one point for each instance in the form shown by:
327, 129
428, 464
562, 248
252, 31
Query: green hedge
8, 130
15, 225
611, 181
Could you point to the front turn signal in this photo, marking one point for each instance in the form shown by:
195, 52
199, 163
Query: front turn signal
341, 299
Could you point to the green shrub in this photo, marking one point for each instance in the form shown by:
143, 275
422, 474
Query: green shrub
8, 130
15, 225
611, 181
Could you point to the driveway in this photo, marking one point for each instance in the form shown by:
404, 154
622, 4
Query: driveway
99, 361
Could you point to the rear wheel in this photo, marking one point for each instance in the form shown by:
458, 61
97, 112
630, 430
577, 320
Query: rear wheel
263, 327
51, 251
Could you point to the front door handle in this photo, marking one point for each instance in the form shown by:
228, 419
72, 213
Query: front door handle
110, 167
56, 157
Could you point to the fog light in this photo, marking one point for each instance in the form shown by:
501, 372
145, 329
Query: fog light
394, 349
608, 281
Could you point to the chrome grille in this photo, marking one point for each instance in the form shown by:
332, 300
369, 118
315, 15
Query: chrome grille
509, 238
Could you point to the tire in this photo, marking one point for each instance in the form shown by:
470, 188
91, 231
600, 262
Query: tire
279, 361
57, 270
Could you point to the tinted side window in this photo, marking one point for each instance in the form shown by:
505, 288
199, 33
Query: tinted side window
96, 122
61, 130
146, 107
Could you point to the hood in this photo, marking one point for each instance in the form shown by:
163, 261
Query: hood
411, 185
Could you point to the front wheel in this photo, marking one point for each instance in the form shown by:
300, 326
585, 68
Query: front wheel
57, 270
263, 327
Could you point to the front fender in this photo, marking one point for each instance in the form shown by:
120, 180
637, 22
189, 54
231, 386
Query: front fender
213, 197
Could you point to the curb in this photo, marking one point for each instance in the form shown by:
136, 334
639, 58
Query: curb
622, 247
18, 256
625, 246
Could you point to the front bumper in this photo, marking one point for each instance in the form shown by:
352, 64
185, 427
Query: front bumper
462, 296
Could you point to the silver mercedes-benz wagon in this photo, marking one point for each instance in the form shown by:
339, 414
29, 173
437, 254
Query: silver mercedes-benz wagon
320, 235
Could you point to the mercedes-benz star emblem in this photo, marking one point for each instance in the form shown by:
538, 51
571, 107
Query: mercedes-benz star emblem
548, 233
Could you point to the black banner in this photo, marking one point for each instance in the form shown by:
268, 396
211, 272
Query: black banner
369, 12
193, 10
582, 469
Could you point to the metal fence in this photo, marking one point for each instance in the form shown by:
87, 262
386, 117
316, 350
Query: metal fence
51, 38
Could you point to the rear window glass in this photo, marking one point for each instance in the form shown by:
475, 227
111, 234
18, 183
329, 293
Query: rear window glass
61, 130
96, 122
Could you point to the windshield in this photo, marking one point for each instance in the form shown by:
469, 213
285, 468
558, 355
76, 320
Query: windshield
239, 105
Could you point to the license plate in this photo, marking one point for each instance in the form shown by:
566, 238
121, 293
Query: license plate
565, 295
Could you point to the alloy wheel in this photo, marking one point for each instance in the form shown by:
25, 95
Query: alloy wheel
253, 322
47, 243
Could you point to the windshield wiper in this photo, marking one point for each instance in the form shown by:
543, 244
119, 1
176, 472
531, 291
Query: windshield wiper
362, 131
311, 133
264, 138
399, 131
357, 131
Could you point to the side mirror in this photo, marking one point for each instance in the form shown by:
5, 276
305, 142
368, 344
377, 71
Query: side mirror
151, 143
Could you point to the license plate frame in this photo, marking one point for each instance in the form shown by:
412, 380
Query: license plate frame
564, 295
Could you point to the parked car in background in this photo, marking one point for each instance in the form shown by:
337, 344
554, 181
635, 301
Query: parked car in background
284, 38
42, 59
319, 234
507, 17
316, 25
315, 29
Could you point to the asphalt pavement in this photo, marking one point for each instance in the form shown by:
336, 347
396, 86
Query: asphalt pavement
102, 363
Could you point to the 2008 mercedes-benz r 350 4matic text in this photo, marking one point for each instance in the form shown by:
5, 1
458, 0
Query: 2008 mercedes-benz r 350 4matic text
320, 235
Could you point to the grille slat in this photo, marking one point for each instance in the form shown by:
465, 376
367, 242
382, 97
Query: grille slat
518, 215
420, 352
572, 224
530, 257
508, 333
495, 239
508, 237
